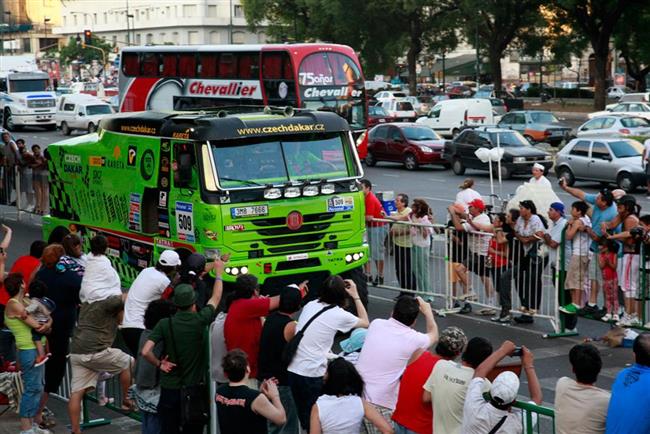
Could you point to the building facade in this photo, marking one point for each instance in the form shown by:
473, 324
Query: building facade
26, 25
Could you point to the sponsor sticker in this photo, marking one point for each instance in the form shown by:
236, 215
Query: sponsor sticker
340, 203
132, 155
297, 257
249, 211
165, 243
236, 228
147, 165
134, 212
96, 161
185, 221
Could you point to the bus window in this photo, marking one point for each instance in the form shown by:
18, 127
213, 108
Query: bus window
168, 65
187, 65
276, 66
208, 68
226, 66
130, 64
248, 66
328, 69
149, 65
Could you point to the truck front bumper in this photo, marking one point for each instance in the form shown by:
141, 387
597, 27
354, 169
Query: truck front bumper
33, 119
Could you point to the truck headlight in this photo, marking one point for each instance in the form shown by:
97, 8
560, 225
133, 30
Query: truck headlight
328, 188
548, 157
272, 193
310, 190
291, 192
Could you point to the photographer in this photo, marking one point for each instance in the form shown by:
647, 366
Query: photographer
496, 414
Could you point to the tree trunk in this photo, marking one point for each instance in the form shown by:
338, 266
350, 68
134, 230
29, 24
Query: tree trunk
600, 58
495, 69
411, 60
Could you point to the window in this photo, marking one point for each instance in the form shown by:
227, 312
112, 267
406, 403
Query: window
248, 66
227, 65
68, 107
276, 66
212, 11
329, 69
238, 11
149, 65
581, 149
149, 39
138, 39
192, 37
214, 37
507, 119
620, 108
435, 113
94, 18
74, 19
395, 134
187, 65
168, 65
608, 122
635, 122
162, 37
175, 37
626, 148
189, 11
593, 124
599, 151
105, 18
208, 68
379, 133
114, 40
238, 38
519, 118
130, 64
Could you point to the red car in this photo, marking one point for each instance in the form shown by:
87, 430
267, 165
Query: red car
377, 115
407, 143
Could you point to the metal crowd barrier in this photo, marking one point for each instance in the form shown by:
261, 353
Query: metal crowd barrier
19, 189
545, 418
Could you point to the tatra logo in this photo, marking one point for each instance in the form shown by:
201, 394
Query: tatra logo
294, 220
236, 88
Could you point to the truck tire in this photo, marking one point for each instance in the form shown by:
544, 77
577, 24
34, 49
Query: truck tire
92, 127
624, 182
370, 159
8, 121
65, 129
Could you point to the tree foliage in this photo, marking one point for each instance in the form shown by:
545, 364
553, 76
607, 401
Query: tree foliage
74, 50
632, 40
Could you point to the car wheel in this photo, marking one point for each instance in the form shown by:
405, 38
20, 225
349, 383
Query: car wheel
458, 167
505, 173
565, 172
92, 128
65, 129
455, 132
370, 159
624, 182
411, 162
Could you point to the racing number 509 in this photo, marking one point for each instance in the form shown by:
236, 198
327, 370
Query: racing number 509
185, 222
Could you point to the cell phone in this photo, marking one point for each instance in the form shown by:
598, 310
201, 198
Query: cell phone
518, 352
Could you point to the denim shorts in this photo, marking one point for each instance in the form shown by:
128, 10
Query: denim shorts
32, 381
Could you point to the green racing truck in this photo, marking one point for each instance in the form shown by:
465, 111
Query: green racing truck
274, 188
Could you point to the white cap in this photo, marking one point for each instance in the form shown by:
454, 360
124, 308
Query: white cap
170, 258
538, 167
618, 193
505, 387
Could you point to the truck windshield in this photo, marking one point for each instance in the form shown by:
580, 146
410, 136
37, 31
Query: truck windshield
36, 85
100, 109
261, 162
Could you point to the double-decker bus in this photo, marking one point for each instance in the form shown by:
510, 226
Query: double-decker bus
313, 76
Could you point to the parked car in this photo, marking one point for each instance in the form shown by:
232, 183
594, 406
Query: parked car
614, 126
518, 158
399, 110
377, 115
616, 92
641, 109
411, 144
612, 161
449, 117
388, 95
421, 104
536, 126
460, 92
631, 97
498, 106
81, 112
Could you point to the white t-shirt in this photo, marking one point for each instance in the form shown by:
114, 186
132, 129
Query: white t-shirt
582, 241
340, 414
555, 231
147, 287
543, 181
580, 409
529, 228
467, 195
480, 242
448, 385
386, 351
310, 359
479, 416
421, 236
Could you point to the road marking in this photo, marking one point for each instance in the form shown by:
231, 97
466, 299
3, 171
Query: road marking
437, 180
390, 175
438, 199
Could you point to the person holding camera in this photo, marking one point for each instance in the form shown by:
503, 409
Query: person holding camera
495, 415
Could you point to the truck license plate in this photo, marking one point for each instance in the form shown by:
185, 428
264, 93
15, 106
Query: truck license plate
249, 211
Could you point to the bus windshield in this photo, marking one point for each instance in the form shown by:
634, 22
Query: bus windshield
301, 158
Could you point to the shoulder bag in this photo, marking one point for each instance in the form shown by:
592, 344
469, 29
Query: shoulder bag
194, 397
291, 347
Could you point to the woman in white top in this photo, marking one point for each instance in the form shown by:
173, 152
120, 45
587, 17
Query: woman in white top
529, 230
421, 240
467, 193
340, 408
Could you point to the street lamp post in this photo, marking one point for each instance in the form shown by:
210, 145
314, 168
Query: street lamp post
8, 14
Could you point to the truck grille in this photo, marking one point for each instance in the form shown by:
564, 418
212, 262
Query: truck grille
35, 103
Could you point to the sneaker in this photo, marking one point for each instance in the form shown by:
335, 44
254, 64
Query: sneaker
607, 317
375, 281
624, 321
647, 325
507, 319
573, 330
524, 319
569, 309
588, 310
635, 321
369, 278
40, 360
380, 280
467, 308
599, 313
38, 430
615, 318
471, 295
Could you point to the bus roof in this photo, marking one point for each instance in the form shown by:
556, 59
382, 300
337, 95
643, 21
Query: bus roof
223, 123
234, 47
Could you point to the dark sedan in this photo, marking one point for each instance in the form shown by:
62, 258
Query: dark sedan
518, 157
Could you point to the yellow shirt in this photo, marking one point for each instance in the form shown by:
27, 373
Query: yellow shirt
401, 233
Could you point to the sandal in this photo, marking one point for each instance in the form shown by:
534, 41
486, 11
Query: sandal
127, 406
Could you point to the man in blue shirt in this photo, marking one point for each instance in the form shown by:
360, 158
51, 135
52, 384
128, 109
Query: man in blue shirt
604, 210
628, 407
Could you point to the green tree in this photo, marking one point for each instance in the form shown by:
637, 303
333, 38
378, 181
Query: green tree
594, 21
498, 23
75, 51
632, 40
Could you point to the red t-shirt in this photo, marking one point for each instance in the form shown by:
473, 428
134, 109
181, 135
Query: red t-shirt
609, 273
243, 327
373, 209
501, 260
410, 411
4, 297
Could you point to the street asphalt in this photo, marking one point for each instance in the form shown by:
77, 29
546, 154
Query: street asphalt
438, 187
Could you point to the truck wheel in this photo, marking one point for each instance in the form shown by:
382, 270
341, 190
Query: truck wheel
65, 129
565, 172
9, 122
92, 128
457, 166
505, 173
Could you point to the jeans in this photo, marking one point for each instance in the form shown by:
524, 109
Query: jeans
305, 391
32, 381
151, 423
529, 281
291, 426
502, 278
7, 345
399, 429
403, 267
169, 410
420, 259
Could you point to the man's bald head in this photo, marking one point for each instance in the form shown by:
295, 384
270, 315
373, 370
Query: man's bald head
641, 349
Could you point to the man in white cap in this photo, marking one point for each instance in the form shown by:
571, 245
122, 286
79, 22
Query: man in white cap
496, 414
147, 287
538, 176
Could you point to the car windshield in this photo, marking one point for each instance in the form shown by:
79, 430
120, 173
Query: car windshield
634, 122
100, 109
509, 139
279, 161
626, 148
376, 110
543, 118
403, 106
420, 133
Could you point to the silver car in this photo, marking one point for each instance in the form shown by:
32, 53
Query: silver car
614, 126
605, 160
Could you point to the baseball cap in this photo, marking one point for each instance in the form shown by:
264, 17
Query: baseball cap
184, 296
195, 263
558, 206
478, 204
453, 338
505, 387
355, 341
170, 258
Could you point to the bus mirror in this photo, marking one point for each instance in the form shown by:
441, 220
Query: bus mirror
184, 169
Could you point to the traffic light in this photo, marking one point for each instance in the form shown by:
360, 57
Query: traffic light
88, 35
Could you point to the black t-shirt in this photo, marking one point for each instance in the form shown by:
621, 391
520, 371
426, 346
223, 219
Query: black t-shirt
272, 345
235, 413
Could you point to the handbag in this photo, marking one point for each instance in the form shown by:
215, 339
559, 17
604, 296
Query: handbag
291, 347
194, 397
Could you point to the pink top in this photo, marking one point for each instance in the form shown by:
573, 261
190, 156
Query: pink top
609, 273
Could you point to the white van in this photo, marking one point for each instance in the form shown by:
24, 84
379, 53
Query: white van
81, 112
448, 117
